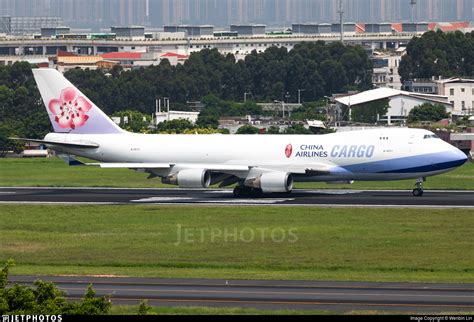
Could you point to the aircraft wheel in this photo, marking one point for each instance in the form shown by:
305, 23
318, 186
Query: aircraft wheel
256, 193
242, 191
239, 191
418, 192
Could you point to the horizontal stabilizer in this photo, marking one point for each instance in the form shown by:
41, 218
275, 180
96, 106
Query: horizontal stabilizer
80, 145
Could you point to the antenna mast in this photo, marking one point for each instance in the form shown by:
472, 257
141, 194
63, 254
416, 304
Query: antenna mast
413, 6
341, 19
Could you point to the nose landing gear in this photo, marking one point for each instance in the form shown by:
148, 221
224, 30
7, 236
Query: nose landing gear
418, 191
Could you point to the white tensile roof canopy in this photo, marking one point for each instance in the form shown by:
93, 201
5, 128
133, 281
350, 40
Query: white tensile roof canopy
385, 92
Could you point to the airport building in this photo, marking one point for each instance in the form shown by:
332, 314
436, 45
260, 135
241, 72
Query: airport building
417, 27
312, 28
27, 25
248, 30
191, 31
376, 28
5, 25
185, 39
49, 32
349, 27
400, 102
128, 32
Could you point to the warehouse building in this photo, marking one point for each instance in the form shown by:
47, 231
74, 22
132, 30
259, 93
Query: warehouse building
400, 102
192, 31
128, 32
248, 30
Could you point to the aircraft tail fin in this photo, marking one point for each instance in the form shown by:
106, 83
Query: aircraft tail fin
69, 110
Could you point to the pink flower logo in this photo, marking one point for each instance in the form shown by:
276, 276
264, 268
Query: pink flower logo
288, 150
70, 111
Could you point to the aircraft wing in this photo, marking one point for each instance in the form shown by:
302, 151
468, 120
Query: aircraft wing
151, 165
155, 169
311, 169
126, 165
135, 165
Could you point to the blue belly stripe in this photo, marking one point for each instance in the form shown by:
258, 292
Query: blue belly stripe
420, 163
429, 168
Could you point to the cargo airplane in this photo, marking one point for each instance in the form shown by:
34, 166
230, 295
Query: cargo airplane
256, 164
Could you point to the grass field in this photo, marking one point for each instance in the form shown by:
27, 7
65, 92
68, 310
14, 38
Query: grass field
131, 310
240, 243
54, 172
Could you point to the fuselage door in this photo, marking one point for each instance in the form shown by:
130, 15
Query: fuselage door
411, 139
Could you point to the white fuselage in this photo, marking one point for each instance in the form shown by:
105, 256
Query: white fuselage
385, 154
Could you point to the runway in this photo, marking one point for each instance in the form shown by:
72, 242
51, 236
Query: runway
272, 295
322, 198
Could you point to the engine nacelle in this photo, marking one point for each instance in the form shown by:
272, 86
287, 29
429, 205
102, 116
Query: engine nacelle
190, 178
272, 182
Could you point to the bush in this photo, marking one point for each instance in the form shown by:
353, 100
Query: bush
46, 298
144, 308
247, 129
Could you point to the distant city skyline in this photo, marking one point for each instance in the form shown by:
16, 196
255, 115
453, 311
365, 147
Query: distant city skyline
221, 13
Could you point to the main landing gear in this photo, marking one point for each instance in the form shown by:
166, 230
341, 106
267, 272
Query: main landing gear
418, 191
243, 191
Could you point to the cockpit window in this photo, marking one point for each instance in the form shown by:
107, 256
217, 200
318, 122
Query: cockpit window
430, 136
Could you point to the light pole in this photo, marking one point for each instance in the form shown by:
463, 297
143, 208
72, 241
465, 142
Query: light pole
299, 95
328, 99
287, 96
245, 96
282, 105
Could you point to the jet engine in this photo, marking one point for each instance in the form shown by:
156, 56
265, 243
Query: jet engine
272, 182
190, 178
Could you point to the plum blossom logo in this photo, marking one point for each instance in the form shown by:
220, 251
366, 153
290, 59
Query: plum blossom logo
70, 110
288, 150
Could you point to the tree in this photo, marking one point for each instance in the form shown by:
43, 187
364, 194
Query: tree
133, 121
7, 144
46, 299
297, 129
175, 126
310, 111
438, 54
427, 112
247, 129
368, 112
6, 98
207, 121
22, 113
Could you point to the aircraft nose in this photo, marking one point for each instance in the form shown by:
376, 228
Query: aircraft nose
458, 157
